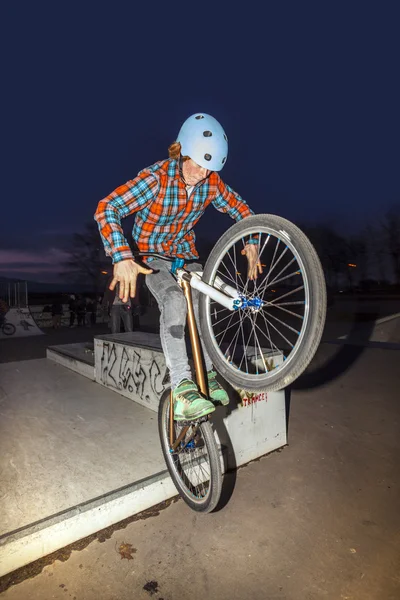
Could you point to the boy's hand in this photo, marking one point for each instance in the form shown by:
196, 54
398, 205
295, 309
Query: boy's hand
125, 273
254, 264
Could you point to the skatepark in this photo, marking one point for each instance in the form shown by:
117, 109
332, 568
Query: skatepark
81, 456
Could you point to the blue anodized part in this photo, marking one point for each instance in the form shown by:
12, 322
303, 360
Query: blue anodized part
177, 264
243, 302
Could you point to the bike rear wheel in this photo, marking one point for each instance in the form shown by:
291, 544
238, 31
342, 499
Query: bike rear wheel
8, 329
270, 339
194, 465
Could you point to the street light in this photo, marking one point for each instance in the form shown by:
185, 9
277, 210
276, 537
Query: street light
351, 265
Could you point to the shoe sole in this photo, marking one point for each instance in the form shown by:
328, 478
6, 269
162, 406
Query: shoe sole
202, 413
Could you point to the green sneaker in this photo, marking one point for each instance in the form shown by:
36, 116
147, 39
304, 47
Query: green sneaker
217, 392
189, 403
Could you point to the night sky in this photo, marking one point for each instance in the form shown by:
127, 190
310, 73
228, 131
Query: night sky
308, 94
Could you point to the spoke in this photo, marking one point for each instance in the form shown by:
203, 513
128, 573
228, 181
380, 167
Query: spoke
237, 274
282, 323
278, 280
223, 319
258, 344
287, 294
253, 321
287, 303
284, 268
229, 327
235, 339
204, 472
214, 309
259, 255
229, 274
277, 330
244, 348
230, 280
290, 312
269, 335
272, 262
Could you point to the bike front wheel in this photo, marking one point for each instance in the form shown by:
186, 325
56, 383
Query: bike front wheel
269, 340
194, 465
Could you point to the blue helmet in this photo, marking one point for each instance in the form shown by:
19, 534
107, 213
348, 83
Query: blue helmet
202, 139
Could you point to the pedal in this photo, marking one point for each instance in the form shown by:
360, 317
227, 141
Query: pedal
192, 422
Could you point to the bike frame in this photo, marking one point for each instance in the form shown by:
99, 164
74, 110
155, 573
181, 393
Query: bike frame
198, 361
188, 280
222, 293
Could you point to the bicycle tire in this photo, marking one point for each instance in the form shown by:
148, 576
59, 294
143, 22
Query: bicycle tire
8, 329
306, 255
209, 502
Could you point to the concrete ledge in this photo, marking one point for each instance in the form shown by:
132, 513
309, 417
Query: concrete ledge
22, 546
60, 355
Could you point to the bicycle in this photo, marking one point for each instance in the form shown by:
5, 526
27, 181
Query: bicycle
240, 321
7, 328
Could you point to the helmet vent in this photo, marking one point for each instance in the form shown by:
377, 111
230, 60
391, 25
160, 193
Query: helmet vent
199, 117
207, 133
225, 138
207, 157
223, 160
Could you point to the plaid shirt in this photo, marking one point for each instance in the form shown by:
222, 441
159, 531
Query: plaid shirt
165, 215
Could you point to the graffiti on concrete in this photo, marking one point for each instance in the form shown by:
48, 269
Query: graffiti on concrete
253, 398
137, 371
18, 322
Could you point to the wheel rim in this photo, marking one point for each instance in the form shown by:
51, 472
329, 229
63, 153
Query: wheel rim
189, 461
8, 329
260, 341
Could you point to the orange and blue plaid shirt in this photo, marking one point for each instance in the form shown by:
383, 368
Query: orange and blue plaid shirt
165, 215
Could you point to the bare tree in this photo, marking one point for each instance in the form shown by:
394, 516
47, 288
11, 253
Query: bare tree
390, 225
333, 252
87, 262
377, 253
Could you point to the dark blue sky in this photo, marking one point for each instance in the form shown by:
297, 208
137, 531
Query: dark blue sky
308, 93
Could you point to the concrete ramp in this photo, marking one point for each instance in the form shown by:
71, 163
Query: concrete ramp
385, 330
19, 322
77, 457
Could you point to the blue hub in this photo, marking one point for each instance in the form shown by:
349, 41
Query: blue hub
243, 302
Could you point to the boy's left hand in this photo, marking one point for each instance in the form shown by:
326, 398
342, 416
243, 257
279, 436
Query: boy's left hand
254, 264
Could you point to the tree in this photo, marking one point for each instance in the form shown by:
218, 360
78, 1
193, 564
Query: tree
333, 252
88, 263
390, 226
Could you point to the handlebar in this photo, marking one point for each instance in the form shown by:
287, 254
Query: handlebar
177, 263
156, 255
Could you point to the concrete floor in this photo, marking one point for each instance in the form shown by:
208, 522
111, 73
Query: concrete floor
318, 520
56, 430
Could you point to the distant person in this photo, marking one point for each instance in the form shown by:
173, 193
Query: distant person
3, 310
81, 311
56, 313
118, 310
136, 305
72, 310
121, 311
88, 307
91, 310
93, 314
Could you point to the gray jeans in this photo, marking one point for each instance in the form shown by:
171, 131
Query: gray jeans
173, 308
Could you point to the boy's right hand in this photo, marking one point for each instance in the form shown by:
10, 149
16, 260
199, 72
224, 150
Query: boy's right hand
125, 273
